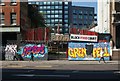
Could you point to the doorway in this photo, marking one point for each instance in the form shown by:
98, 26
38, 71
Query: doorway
89, 49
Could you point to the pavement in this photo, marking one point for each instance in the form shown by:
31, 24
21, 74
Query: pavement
61, 64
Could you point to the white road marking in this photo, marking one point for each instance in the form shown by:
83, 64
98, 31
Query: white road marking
32, 75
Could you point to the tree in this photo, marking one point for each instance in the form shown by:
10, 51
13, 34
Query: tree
37, 19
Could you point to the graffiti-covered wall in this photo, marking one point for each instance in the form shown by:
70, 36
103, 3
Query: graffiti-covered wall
10, 51
40, 51
88, 51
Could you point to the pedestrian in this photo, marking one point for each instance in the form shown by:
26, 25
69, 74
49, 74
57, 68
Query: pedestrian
31, 56
101, 55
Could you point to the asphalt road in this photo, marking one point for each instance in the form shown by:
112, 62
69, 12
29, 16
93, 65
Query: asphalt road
42, 74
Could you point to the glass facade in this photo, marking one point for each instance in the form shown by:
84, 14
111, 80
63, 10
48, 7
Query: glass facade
54, 12
82, 16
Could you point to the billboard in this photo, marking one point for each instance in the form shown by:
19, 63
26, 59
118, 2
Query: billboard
88, 51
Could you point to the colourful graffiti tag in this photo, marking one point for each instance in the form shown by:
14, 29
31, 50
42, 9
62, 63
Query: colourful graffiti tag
74, 52
96, 52
78, 51
38, 50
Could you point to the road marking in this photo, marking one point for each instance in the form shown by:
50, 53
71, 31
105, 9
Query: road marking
32, 75
23, 75
53, 75
117, 72
43, 66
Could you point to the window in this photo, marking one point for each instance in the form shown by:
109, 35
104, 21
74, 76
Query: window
86, 17
66, 7
56, 3
91, 12
37, 3
60, 7
48, 21
66, 3
2, 16
60, 16
41, 7
52, 3
44, 7
52, 7
66, 21
80, 16
74, 11
41, 3
13, 2
48, 16
48, 3
74, 16
66, 16
66, 25
44, 3
56, 12
60, 11
56, 16
52, 12
52, 20
13, 18
60, 20
48, 7
56, 20
56, 7
60, 3
2, 2
66, 12
48, 12
52, 16
80, 12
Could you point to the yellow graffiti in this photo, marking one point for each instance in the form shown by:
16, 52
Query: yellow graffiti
74, 52
96, 52
81, 52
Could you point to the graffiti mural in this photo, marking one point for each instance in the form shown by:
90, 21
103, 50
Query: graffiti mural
10, 51
88, 51
39, 51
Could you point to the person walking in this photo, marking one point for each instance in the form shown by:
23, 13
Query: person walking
32, 56
101, 56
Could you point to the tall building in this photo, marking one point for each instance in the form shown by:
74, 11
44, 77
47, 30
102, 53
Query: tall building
13, 19
115, 22
55, 12
103, 16
82, 17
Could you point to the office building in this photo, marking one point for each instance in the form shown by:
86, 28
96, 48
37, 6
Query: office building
82, 17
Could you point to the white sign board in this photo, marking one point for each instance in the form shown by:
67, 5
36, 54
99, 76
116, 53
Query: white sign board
91, 38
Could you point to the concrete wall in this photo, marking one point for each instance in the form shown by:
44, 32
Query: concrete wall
116, 54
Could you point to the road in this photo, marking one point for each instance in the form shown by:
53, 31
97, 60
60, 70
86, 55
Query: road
59, 69
40, 74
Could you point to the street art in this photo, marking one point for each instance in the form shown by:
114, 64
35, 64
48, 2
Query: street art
78, 51
39, 50
10, 51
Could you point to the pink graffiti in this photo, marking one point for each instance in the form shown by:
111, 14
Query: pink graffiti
36, 50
